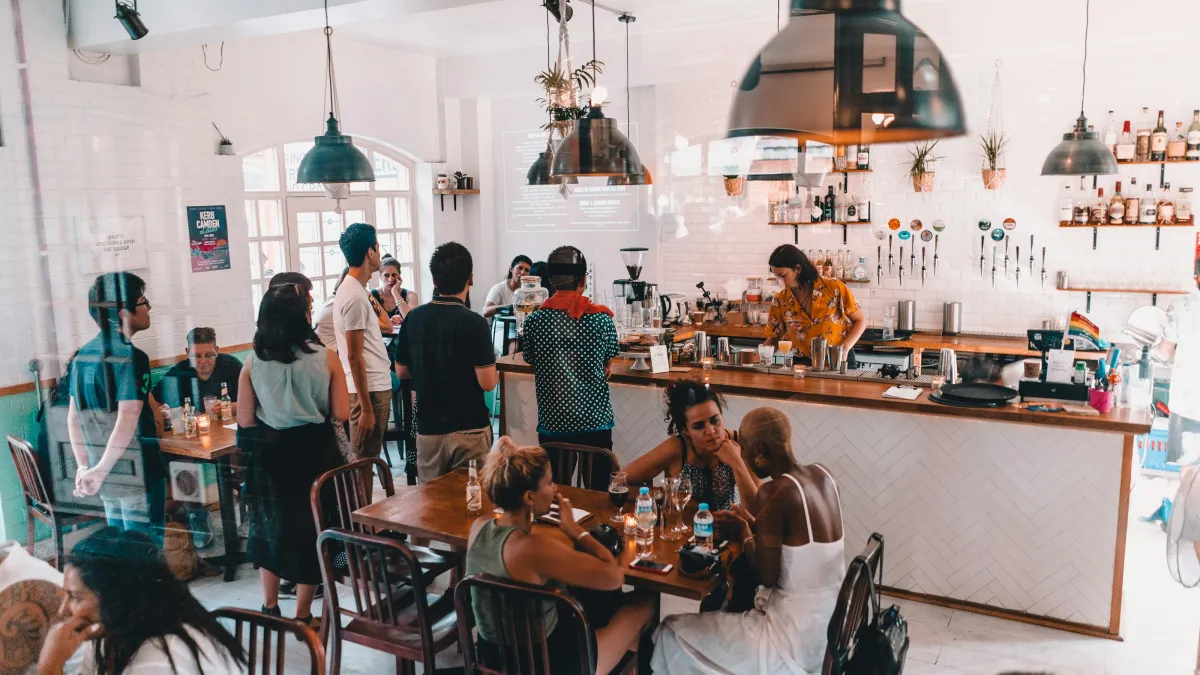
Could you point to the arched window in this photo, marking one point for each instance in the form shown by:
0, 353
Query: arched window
295, 227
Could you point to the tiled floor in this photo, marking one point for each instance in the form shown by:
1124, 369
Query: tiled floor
1161, 623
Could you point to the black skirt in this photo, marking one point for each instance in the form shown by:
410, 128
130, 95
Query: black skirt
281, 465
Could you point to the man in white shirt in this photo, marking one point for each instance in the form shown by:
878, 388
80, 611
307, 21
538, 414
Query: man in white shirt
501, 295
360, 344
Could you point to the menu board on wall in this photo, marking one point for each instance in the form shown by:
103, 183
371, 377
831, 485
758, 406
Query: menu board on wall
111, 244
593, 206
208, 234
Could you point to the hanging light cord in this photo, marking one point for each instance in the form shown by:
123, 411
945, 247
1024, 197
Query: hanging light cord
778, 13
1087, 23
334, 109
594, 45
627, 18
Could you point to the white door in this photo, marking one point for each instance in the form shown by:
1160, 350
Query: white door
315, 226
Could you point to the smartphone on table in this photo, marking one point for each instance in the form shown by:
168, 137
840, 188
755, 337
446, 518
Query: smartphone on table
651, 566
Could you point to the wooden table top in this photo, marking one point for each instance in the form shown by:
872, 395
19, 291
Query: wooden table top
867, 395
217, 443
437, 510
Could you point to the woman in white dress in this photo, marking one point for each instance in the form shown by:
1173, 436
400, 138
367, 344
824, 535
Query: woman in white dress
795, 542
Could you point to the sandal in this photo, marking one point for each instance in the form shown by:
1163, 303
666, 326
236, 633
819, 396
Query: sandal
272, 611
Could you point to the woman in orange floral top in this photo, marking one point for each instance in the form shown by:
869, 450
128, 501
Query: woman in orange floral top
810, 307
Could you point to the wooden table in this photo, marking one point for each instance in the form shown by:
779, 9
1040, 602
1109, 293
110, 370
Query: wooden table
217, 448
437, 510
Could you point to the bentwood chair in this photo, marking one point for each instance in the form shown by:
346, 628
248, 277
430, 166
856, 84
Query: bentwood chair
852, 611
38, 501
264, 637
522, 649
581, 466
413, 630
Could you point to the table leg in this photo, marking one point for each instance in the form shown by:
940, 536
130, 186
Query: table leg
229, 529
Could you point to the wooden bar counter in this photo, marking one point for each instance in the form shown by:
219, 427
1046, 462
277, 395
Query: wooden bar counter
1000, 511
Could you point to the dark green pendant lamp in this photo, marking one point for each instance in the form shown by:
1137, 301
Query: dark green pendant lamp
333, 159
840, 64
642, 177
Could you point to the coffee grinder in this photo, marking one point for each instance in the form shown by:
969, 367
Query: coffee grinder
640, 296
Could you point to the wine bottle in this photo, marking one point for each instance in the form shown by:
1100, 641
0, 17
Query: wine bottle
1158, 141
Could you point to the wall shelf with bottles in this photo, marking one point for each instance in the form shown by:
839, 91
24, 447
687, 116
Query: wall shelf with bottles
1153, 293
796, 228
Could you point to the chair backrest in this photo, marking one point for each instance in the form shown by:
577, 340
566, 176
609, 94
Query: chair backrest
853, 605
371, 572
581, 466
518, 607
265, 639
338, 493
28, 474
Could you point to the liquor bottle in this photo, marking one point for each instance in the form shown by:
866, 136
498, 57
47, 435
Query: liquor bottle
816, 211
1100, 209
864, 204
1149, 207
165, 411
189, 419
226, 404
827, 268
839, 159
1126, 145
1110, 134
1193, 138
852, 209
839, 267
1166, 206
474, 489
1133, 204
1158, 141
1116, 208
859, 273
1142, 154
1066, 209
1177, 145
1183, 206
830, 206
864, 157
1083, 211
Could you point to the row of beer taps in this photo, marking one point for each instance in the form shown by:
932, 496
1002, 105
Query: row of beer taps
912, 260
995, 255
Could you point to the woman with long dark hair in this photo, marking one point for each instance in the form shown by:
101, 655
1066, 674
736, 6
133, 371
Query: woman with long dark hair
811, 307
392, 296
295, 392
121, 595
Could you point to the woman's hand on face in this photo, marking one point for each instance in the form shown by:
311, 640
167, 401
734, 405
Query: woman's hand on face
566, 516
62, 641
730, 453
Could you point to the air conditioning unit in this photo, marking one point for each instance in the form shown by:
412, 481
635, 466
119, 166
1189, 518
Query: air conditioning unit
194, 483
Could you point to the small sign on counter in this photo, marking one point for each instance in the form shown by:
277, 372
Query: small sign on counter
1061, 365
660, 360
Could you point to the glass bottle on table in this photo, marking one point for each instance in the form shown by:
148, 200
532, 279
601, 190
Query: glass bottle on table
1158, 140
226, 404
618, 493
658, 492
527, 299
474, 489
643, 512
1126, 145
189, 419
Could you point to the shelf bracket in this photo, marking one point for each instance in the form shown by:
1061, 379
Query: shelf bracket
845, 234
845, 182
1162, 175
1154, 299
1157, 237
443, 200
1095, 182
1095, 237
796, 232
1089, 302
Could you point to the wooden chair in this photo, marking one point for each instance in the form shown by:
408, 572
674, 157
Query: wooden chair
415, 630
252, 629
853, 605
581, 466
523, 647
38, 501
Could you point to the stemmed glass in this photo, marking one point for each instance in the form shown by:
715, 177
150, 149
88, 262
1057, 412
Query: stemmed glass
680, 490
670, 532
618, 492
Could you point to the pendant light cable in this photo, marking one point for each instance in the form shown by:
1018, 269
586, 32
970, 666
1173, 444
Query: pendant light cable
594, 44
1087, 24
334, 108
627, 19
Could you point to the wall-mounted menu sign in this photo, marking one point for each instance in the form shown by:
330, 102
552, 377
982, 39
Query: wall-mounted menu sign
111, 244
208, 234
593, 205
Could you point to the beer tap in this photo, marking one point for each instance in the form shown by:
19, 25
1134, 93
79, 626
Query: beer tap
994, 249
879, 264
1018, 267
1006, 241
901, 271
922, 265
912, 259
982, 239
1043, 267
936, 241
890, 255
1030, 255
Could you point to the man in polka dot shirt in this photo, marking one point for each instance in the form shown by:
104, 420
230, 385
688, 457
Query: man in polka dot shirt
569, 342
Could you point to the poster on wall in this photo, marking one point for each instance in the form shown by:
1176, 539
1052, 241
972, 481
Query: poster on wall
208, 232
111, 244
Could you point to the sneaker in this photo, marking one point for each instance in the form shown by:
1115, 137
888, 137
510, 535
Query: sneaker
201, 526
272, 611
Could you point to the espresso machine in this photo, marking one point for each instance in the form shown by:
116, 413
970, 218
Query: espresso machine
637, 300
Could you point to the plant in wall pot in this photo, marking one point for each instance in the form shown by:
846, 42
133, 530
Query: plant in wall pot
225, 146
735, 185
462, 181
920, 167
993, 144
443, 181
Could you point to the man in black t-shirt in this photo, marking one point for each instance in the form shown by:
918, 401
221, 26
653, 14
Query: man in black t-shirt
112, 419
201, 374
446, 350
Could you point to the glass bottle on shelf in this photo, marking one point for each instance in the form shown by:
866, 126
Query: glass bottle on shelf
827, 268
1183, 206
864, 203
1100, 209
816, 211
1126, 145
1110, 133
1166, 206
852, 209
1083, 211
1144, 130
527, 299
864, 157
839, 159
1133, 203
1149, 207
1177, 145
1066, 208
839, 267
859, 273
830, 206
1158, 140
1116, 207
1193, 138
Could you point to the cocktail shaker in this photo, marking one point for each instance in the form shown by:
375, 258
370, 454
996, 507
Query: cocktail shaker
819, 357
952, 318
723, 354
907, 313
703, 347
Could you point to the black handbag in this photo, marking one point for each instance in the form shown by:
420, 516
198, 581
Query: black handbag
881, 643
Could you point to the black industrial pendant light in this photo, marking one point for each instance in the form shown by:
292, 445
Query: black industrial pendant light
1081, 153
840, 64
596, 147
643, 177
333, 159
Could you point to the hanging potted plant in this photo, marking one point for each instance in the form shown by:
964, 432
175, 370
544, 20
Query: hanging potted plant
993, 144
735, 185
920, 167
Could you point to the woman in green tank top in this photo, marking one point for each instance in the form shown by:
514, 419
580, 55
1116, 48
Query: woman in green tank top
518, 481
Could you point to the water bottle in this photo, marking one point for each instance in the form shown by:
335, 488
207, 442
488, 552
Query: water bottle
644, 512
703, 528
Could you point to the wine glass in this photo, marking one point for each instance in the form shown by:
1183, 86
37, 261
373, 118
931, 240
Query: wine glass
618, 492
671, 532
682, 495
658, 492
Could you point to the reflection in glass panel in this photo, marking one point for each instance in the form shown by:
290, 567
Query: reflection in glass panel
251, 220
383, 214
389, 175
331, 226
292, 154
270, 220
335, 262
355, 216
403, 215
687, 162
309, 230
927, 65
255, 262
273, 259
310, 261
404, 247
260, 171
360, 187
879, 63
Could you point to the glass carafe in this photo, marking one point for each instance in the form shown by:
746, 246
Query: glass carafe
528, 298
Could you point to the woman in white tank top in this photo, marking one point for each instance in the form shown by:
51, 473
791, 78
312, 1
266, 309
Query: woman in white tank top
795, 543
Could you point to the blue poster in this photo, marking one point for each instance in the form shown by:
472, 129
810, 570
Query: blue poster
208, 231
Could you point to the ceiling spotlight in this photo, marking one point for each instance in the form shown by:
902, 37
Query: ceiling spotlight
131, 20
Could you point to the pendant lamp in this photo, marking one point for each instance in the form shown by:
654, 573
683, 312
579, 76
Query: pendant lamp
333, 158
1081, 153
838, 64
596, 147
643, 177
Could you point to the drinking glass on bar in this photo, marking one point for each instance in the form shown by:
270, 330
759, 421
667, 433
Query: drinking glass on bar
706, 364
618, 492
681, 496
212, 407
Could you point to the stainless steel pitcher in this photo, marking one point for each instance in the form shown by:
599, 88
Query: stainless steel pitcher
818, 353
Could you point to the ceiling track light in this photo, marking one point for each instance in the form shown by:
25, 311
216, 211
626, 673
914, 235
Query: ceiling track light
131, 20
